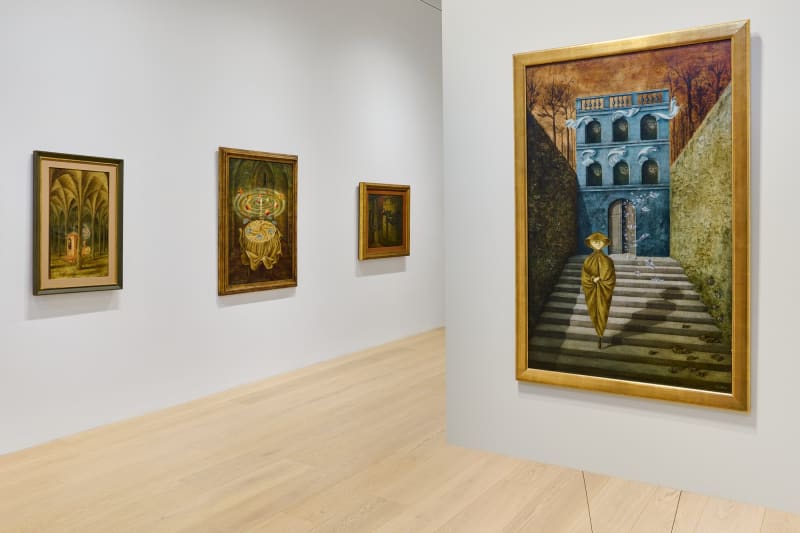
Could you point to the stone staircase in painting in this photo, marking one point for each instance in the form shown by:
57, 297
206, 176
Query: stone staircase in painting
658, 330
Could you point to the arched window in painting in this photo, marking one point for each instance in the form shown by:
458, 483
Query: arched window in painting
593, 132
622, 173
649, 128
619, 130
594, 175
650, 172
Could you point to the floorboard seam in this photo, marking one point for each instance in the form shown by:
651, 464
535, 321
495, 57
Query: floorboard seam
588, 507
675, 517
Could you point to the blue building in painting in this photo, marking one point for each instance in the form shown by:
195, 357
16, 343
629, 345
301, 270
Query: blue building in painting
622, 159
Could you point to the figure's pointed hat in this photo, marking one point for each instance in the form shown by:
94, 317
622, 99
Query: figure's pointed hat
597, 236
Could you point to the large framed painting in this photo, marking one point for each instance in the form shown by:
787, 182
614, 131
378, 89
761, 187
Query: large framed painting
257, 244
384, 223
632, 216
77, 223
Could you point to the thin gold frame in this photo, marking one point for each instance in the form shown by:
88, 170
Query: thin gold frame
42, 283
739, 34
223, 244
364, 190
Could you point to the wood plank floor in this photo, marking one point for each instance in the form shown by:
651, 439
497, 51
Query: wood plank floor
352, 444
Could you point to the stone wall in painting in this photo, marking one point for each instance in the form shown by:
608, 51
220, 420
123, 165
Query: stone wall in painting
552, 216
701, 211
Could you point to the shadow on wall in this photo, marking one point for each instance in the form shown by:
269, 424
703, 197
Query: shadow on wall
78, 303
378, 267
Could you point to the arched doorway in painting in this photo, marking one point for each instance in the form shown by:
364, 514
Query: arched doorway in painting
622, 227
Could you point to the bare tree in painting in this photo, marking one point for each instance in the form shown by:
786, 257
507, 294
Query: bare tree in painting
720, 74
698, 84
716, 77
556, 101
551, 105
688, 82
689, 74
567, 105
532, 90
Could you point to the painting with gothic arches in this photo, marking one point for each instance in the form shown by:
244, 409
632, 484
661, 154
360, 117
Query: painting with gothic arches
632, 216
78, 223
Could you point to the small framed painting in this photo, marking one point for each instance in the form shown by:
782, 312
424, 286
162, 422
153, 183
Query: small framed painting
383, 221
632, 224
77, 223
257, 241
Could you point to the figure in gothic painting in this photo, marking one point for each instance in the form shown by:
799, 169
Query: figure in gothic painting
598, 279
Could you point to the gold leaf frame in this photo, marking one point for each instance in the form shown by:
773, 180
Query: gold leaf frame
739, 35
224, 286
364, 250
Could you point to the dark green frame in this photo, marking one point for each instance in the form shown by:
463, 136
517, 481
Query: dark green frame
39, 246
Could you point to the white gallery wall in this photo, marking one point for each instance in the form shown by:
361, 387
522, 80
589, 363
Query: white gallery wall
352, 87
751, 457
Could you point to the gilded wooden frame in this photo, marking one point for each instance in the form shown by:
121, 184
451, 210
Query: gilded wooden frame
259, 188
372, 251
738, 33
77, 223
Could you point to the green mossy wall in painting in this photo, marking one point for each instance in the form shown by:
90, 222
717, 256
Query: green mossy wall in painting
700, 223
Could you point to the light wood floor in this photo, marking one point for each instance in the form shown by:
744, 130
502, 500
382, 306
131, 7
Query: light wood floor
353, 444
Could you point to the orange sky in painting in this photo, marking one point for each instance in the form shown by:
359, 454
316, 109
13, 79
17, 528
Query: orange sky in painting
638, 71
641, 71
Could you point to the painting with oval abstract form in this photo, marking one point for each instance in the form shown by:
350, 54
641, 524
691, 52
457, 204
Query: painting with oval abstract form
257, 247
632, 190
77, 223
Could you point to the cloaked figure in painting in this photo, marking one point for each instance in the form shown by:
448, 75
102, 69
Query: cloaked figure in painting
598, 279
385, 220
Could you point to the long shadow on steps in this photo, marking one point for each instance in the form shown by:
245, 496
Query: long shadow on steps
648, 347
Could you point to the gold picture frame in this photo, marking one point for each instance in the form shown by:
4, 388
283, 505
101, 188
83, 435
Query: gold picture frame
645, 141
384, 223
77, 223
257, 225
